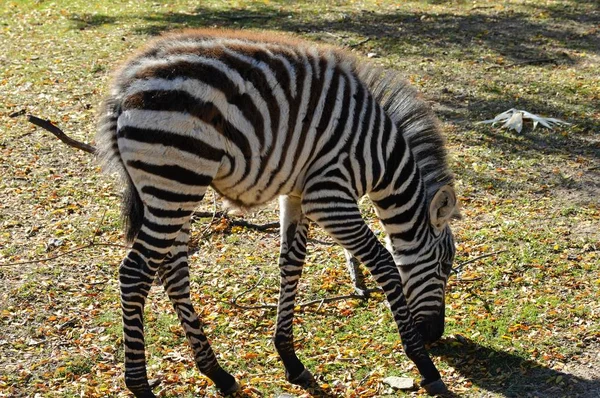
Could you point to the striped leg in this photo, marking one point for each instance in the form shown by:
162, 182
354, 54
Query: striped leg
136, 275
174, 275
346, 226
294, 229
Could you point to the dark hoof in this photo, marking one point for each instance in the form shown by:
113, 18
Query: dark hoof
304, 379
143, 393
230, 390
435, 388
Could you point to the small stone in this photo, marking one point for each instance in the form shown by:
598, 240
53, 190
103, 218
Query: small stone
400, 383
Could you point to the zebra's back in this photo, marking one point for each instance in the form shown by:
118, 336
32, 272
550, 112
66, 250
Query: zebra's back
266, 110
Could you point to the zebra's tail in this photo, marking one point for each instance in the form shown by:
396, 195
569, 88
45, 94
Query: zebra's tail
107, 152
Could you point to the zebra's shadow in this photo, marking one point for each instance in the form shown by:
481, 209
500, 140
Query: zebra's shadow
509, 374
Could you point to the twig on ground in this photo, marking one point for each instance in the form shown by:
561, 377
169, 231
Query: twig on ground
460, 266
339, 298
486, 304
360, 43
338, 37
246, 16
258, 227
234, 300
102, 282
526, 62
58, 133
18, 113
234, 223
204, 214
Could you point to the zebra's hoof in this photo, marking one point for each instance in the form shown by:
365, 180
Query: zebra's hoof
144, 393
230, 390
304, 379
364, 294
435, 388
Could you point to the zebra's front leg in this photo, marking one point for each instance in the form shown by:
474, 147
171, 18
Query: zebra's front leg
346, 226
174, 276
294, 230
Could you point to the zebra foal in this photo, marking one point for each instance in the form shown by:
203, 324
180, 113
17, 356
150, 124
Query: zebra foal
259, 116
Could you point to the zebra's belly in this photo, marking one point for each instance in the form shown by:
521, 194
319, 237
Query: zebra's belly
259, 185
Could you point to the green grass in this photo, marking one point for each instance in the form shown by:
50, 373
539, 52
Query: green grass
517, 321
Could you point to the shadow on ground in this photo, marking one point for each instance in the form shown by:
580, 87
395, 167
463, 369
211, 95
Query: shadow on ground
484, 36
515, 35
510, 375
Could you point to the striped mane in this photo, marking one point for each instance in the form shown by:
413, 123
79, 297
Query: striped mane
415, 121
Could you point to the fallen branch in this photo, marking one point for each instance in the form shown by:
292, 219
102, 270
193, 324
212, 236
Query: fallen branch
18, 113
460, 266
486, 304
526, 62
360, 43
58, 133
234, 223
258, 227
246, 16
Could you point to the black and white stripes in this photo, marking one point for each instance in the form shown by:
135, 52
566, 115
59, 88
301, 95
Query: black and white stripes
257, 117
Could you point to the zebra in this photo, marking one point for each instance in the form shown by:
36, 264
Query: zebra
259, 116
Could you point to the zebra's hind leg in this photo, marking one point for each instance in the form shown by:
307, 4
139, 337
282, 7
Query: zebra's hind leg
343, 222
294, 230
174, 276
136, 274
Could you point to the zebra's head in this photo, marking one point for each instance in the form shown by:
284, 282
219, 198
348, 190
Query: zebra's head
425, 270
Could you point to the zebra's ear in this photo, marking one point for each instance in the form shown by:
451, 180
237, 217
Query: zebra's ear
443, 207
